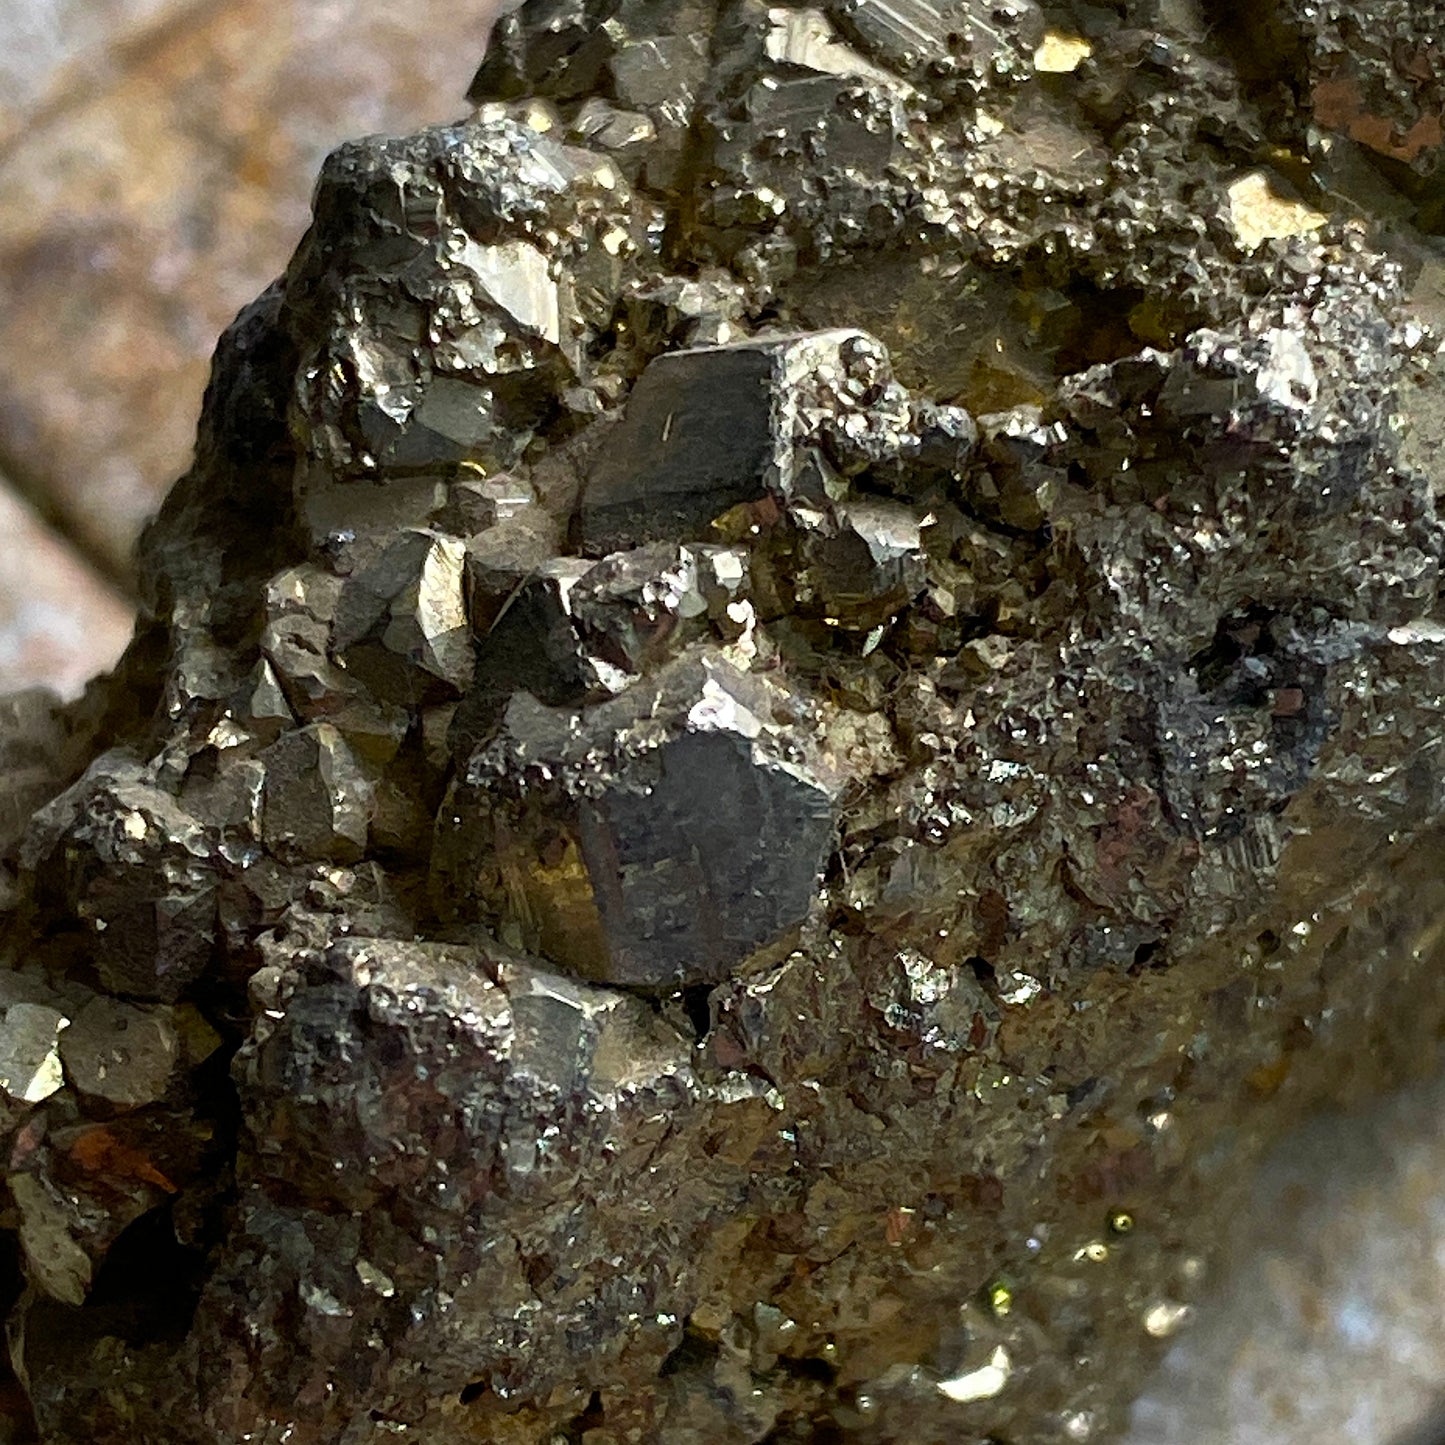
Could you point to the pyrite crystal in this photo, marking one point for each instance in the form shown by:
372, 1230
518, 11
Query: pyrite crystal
795, 699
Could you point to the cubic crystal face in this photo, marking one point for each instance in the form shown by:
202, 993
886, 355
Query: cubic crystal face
708, 429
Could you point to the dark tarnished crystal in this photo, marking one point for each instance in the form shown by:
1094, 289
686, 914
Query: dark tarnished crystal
317, 801
708, 429
802, 664
662, 838
126, 862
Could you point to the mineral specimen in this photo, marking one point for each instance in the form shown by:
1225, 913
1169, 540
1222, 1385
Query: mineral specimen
794, 701
664, 838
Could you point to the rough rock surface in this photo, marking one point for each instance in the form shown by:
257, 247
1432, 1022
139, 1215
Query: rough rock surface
793, 702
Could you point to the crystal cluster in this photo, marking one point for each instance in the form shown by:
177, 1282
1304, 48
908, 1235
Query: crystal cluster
794, 700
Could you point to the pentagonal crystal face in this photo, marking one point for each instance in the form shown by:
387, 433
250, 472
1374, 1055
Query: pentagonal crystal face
713, 852
659, 839
317, 801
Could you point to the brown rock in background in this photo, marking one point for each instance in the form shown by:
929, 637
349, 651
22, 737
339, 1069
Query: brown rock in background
56, 49
155, 159
59, 619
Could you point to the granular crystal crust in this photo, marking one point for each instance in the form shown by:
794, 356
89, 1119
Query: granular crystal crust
793, 702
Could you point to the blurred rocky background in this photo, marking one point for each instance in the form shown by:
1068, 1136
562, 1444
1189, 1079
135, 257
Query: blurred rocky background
155, 165
156, 159
1324, 1324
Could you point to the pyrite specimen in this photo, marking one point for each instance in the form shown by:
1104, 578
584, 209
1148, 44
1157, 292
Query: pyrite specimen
794, 701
